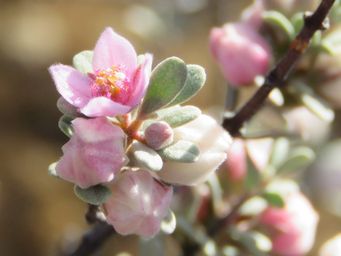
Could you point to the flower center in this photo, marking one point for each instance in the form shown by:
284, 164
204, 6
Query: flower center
111, 83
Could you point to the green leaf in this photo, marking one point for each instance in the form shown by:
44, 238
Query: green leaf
146, 157
95, 195
177, 116
281, 21
195, 80
181, 151
297, 20
318, 106
166, 82
253, 177
298, 159
83, 61
65, 125
279, 152
52, 169
274, 199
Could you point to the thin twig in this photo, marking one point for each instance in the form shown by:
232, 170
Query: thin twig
93, 239
278, 75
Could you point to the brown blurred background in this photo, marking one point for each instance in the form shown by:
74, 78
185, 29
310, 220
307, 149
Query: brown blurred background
39, 213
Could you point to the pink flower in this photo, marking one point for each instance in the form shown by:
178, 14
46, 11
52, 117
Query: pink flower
117, 83
213, 143
94, 154
240, 51
293, 227
138, 204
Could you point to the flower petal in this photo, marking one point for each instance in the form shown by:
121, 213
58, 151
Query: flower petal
102, 106
113, 49
141, 80
94, 154
71, 84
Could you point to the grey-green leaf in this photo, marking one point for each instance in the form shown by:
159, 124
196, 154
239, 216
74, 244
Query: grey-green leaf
145, 157
65, 126
83, 61
177, 116
181, 151
273, 199
95, 195
298, 159
166, 82
195, 80
66, 108
281, 21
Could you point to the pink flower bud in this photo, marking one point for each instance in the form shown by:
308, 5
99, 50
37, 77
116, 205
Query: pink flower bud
240, 51
293, 227
236, 161
332, 247
158, 135
94, 154
213, 143
138, 204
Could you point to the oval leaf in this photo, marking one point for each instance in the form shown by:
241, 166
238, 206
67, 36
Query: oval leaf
274, 199
195, 80
177, 116
181, 151
83, 61
95, 195
298, 160
65, 126
281, 21
146, 157
166, 82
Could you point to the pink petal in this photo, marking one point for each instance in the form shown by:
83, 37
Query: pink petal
94, 154
141, 81
113, 49
71, 84
102, 106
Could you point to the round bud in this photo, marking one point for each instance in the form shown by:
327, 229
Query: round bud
159, 135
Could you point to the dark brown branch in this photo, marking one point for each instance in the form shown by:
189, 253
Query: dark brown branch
278, 75
93, 240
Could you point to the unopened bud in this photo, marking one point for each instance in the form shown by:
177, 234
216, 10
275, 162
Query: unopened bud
159, 135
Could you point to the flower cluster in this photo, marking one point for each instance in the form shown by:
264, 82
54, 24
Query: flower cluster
130, 139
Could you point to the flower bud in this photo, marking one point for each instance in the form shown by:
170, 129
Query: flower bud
332, 247
293, 227
138, 204
213, 143
94, 154
158, 135
240, 51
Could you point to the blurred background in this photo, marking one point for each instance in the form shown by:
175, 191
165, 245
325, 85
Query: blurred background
38, 213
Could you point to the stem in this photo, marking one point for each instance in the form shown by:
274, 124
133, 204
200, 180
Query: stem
279, 74
93, 239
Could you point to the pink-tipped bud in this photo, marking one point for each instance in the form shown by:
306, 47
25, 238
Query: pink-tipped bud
293, 227
159, 135
240, 51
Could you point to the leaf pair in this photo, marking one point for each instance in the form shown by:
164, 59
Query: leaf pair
172, 82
